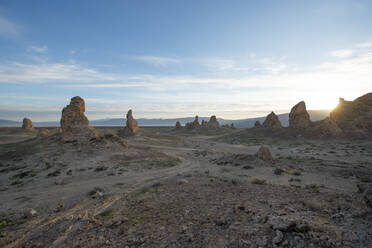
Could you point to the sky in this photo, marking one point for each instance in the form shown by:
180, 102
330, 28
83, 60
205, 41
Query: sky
167, 59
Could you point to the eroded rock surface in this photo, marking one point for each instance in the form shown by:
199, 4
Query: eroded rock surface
354, 115
178, 124
213, 123
27, 125
43, 132
74, 123
272, 121
131, 127
299, 117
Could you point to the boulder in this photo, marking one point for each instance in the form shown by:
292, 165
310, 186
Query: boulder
354, 115
264, 154
299, 118
272, 121
43, 132
74, 123
178, 124
213, 123
131, 127
27, 125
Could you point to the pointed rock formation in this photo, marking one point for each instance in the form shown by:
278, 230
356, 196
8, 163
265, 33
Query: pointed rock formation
257, 124
213, 123
131, 127
178, 124
132, 124
74, 123
232, 125
27, 125
354, 115
272, 121
299, 118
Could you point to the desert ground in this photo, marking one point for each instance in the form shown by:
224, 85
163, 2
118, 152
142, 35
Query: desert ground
170, 187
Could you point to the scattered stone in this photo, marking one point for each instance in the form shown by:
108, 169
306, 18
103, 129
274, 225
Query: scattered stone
31, 213
96, 193
27, 125
272, 121
101, 168
259, 181
74, 123
299, 118
264, 154
183, 181
278, 171
278, 237
282, 224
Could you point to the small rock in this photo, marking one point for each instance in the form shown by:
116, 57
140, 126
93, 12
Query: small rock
278, 238
31, 213
183, 181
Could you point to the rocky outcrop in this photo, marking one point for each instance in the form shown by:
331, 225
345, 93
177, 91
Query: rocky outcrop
213, 123
232, 125
204, 123
354, 115
74, 123
299, 118
272, 121
257, 124
325, 128
131, 127
27, 125
43, 132
194, 124
178, 124
264, 154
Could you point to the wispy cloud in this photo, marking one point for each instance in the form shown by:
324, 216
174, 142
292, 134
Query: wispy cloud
157, 61
7, 28
344, 53
37, 49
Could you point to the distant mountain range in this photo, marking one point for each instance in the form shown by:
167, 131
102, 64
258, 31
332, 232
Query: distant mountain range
315, 115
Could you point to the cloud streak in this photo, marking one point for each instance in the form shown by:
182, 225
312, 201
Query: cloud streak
7, 28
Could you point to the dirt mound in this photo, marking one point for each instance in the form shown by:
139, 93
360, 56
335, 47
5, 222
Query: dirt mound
354, 115
74, 123
27, 125
272, 121
299, 117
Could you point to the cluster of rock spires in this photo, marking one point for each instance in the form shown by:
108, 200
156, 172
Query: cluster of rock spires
211, 124
348, 116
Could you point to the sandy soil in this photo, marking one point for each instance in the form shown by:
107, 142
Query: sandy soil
182, 188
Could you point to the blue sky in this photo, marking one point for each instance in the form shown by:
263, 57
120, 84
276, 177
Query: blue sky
235, 59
